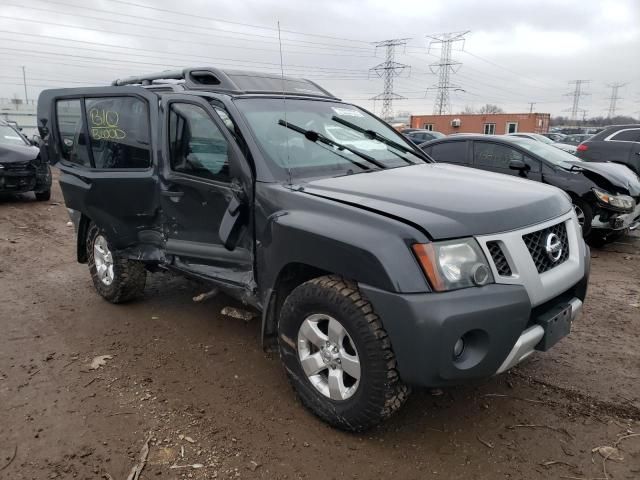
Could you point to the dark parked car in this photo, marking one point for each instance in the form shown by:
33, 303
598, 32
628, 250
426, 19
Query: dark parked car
606, 196
374, 268
418, 135
619, 144
541, 138
556, 137
576, 139
22, 169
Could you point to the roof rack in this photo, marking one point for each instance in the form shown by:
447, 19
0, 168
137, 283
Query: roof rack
229, 81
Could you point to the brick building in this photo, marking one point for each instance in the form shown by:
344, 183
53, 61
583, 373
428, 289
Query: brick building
488, 123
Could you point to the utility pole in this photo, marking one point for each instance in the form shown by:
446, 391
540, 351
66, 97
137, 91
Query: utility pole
388, 70
576, 94
613, 99
444, 68
24, 81
531, 104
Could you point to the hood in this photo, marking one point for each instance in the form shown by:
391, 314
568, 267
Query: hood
447, 201
616, 174
18, 153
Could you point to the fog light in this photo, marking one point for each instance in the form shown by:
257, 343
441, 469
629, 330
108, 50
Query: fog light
480, 274
458, 348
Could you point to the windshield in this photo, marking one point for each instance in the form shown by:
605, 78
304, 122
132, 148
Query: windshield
548, 152
341, 148
8, 136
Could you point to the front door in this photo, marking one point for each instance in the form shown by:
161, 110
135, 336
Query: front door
497, 157
204, 175
101, 140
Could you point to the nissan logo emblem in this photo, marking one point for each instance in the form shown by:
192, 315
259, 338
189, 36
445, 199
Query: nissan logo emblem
553, 247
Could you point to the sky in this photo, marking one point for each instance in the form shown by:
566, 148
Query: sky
513, 53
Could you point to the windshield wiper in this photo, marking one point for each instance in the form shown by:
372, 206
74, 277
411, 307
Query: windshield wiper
314, 137
371, 135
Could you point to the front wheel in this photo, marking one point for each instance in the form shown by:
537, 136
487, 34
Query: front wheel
585, 216
116, 278
43, 196
338, 356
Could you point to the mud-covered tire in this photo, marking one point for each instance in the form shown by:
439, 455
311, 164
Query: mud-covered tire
380, 391
43, 196
129, 276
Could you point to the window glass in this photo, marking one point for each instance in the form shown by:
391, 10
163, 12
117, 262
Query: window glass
291, 152
632, 135
493, 155
450, 152
119, 132
73, 142
8, 136
489, 128
197, 146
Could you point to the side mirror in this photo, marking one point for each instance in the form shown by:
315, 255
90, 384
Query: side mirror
35, 140
518, 165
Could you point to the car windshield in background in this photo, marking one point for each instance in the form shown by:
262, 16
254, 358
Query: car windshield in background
8, 136
548, 152
320, 138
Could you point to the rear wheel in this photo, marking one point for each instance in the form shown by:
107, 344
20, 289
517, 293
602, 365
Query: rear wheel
338, 356
117, 279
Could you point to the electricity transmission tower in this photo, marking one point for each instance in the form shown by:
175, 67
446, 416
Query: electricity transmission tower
576, 94
613, 99
388, 70
444, 68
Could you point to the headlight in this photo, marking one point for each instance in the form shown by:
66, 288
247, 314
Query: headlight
623, 202
453, 264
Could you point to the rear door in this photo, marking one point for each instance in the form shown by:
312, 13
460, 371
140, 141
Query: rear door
206, 192
102, 140
629, 138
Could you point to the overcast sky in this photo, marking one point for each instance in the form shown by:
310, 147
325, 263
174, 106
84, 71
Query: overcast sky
516, 51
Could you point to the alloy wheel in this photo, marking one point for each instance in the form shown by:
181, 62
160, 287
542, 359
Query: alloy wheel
103, 260
329, 357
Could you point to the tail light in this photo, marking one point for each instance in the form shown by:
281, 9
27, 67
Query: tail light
582, 147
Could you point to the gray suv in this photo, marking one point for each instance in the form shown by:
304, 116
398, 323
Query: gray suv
375, 269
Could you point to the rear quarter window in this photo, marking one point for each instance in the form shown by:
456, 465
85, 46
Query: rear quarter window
629, 135
449, 152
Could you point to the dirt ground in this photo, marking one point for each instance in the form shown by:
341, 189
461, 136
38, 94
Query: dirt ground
200, 387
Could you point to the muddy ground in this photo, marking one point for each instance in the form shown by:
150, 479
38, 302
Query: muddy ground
200, 387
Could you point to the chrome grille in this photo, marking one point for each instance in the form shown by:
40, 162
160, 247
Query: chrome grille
536, 244
499, 259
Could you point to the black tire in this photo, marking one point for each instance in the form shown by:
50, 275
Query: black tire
129, 276
588, 215
380, 391
43, 196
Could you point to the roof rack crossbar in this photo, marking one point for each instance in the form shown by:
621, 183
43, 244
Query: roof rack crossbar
149, 78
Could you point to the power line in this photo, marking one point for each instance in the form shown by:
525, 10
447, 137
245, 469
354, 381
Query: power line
388, 70
613, 99
176, 40
576, 94
189, 25
164, 54
445, 67
203, 17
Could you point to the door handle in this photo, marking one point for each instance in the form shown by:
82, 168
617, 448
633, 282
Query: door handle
171, 193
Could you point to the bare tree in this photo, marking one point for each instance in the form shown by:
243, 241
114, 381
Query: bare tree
468, 109
490, 108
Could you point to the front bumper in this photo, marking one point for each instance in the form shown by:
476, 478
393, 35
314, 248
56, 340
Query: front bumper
497, 320
27, 177
610, 220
